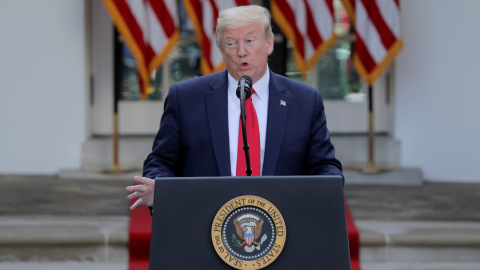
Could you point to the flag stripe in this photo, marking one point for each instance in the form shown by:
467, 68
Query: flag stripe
375, 17
150, 31
391, 14
215, 55
330, 7
368, 33
204, 15
299, 10
366, 58
308, 24
208, 30
377, 36
213, 18
226, 4
197, 6
300, 13
157, 36
132, 24
290, 17
150, 52
163, 16
323, 17
171, 6
312, 28
194, 11
241, 2
137, 10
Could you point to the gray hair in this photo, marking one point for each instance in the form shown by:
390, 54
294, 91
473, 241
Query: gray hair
238, 17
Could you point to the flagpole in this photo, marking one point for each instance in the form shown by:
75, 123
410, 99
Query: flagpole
371, 168
371, 134
368, 70
118, 56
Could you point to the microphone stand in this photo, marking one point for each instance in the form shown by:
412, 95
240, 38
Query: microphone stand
243, 118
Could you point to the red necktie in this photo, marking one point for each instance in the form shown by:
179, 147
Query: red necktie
253, 136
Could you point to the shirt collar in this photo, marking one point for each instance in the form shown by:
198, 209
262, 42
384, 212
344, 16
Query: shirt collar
261, 87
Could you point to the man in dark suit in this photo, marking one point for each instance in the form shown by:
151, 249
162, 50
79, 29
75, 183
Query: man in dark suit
199, 131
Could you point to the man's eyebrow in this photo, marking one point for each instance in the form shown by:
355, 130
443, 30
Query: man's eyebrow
250, 32
247, 34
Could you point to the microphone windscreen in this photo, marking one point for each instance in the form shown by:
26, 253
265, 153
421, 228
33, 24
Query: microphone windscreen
248, 86
247, 79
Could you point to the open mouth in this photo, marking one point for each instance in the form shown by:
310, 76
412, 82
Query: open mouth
244, 65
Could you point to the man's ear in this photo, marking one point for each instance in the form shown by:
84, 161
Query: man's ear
223, 55
270, 45
221, 50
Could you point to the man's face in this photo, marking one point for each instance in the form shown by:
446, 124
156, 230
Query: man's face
245, 51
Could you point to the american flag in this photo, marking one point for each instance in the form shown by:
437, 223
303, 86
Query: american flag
204, 14
377, 43
150, 29
308, 24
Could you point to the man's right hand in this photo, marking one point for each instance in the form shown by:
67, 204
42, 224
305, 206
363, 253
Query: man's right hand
144, 192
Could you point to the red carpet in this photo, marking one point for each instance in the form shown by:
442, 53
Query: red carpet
353, 240
139, 238
141, 228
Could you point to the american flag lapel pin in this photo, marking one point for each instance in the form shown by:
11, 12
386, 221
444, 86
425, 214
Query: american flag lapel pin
283, 103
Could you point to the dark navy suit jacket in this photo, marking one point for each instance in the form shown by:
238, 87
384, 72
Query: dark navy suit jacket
193, 139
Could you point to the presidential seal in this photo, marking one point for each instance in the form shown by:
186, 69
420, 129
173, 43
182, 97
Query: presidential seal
248, 232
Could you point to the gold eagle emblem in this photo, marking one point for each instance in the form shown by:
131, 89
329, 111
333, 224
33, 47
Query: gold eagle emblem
249, 228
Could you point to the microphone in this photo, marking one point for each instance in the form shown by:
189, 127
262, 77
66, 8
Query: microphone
244, 91
246, 82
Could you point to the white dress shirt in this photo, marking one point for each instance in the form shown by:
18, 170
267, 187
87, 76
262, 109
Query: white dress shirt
260, 102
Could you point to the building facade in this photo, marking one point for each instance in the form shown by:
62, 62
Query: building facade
57, 80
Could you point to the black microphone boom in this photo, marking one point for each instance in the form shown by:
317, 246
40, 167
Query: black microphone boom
244, 91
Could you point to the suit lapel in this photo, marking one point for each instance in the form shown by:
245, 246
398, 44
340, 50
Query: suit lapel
217, 112
277, 116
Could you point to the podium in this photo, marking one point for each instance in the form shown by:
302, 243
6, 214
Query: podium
312, 208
